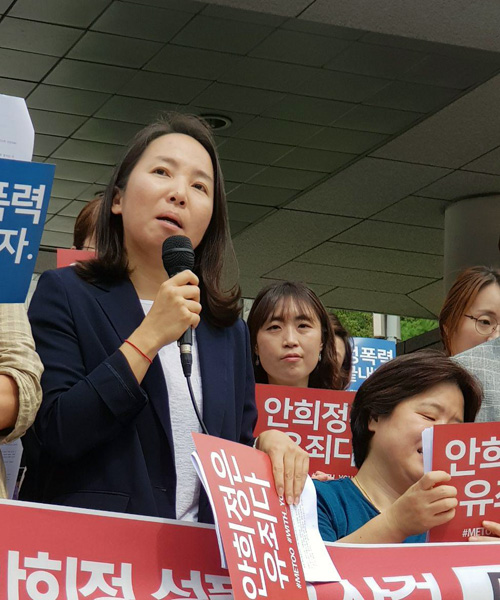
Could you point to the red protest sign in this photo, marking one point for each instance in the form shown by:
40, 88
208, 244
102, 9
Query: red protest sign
318, 420
470, 453
255, 524
67, 257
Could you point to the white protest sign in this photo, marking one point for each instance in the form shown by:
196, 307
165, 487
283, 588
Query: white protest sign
17, 135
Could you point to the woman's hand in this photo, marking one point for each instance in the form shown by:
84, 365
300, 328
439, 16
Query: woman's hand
423, 506
322, 476
290, 463
176, 308
493, 528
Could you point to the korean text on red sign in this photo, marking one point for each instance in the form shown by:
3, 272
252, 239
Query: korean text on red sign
318, 420
255, 524
470, 453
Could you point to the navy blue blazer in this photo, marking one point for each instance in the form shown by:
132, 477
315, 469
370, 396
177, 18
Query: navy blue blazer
105, 441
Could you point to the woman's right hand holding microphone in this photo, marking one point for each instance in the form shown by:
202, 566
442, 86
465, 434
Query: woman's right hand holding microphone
175, 308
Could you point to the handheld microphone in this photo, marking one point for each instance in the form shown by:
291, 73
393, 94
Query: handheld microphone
178, 255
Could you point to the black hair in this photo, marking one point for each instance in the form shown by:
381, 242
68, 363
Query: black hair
274, 297
221, 307
400, 379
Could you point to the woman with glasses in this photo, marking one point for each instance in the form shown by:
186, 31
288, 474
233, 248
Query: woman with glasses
470, 317
471, 310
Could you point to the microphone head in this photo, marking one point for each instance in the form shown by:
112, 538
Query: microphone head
177, 254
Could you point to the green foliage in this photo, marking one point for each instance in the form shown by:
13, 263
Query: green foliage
360, 324
411, 327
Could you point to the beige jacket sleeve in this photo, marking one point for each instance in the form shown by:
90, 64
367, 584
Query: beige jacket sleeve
19, 359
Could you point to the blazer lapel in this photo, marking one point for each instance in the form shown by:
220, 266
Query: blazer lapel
122, 307
124, 311
213, 355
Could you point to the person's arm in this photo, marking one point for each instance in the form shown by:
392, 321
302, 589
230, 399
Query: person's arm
20, 371
176, 308
493, 527
79, 410
84, 408
423, 506
9, 402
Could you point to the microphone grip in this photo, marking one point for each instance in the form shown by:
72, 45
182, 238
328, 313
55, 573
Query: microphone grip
185, 344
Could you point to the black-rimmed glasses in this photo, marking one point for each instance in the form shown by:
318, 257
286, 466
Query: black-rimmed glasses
485, 325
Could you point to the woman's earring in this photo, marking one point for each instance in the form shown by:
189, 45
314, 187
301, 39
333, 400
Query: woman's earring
319, 357
257, 361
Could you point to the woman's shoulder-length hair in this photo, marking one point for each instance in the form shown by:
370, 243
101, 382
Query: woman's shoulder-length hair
461, 295
221, 307
275, 297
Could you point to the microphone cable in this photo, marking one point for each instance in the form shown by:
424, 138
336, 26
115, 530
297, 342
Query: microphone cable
178, 255
195, 406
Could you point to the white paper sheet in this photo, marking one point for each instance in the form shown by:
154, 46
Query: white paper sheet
201, 474
17, 135
12, 454
316, 561
427, 441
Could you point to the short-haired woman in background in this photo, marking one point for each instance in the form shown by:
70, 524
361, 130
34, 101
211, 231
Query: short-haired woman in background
390, 500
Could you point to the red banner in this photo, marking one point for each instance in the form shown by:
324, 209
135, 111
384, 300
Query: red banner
418, 571
69, 554
318, 420
49, 553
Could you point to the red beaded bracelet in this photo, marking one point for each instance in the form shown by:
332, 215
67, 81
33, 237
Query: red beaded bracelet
140, 351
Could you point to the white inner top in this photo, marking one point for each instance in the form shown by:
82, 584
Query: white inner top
183, 421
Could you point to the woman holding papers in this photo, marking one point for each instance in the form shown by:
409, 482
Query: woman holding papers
292, 338
471, 310
116, 419
390, 500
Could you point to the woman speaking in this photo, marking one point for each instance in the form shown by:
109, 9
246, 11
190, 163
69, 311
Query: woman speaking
114, 428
